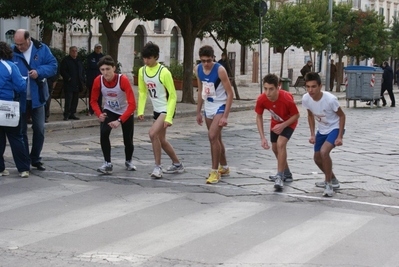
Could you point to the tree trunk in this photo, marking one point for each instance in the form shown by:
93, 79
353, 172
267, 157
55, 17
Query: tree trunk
339, 78
282, 63
47, 33
114, 36
189, 41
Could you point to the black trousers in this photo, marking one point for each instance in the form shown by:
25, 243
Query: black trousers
391, 96
71, 103
127, 130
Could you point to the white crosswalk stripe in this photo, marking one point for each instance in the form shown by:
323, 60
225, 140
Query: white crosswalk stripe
149, 229
79, 218
176, 233
306, 240
40, 195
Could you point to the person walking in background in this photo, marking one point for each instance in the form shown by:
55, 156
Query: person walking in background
36, 62
215, 92
333, 74
387, 84
119, 107
284, 119
72, 72
92, 72
323, 107
157, 81
10, 81
307, 68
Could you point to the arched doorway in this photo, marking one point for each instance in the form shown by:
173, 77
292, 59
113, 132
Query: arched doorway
138, 46
174, 45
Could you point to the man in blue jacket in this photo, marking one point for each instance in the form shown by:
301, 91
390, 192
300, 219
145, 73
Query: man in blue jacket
35, 61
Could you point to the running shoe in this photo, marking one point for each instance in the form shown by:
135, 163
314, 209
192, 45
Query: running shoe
24, 174
334, 182
175, 168
278, 183
328, 191
287, 177
4, 173
129, 166
106, 168
157, 173
223, 172
214, 177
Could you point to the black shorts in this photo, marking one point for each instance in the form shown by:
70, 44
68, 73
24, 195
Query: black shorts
287, 132
156, 115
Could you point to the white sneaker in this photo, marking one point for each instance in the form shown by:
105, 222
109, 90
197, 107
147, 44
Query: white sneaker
129, 166
157, 173
106, 168
175, 169
24, 174
4, 173
278, 183
334, 182
328, 191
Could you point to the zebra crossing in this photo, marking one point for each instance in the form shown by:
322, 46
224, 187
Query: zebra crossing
117, 225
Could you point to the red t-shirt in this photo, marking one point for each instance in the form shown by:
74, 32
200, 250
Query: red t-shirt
281, 110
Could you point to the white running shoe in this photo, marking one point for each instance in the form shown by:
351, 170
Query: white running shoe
175, 169
157, 173
328, 191
278, 183
129, 166
106, 168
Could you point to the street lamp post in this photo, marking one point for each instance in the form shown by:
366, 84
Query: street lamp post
260, 10
328, 69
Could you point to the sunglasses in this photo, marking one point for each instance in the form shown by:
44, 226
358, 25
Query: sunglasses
203, 61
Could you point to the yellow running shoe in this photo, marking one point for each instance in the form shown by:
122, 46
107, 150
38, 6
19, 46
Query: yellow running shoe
214, 177
223, 172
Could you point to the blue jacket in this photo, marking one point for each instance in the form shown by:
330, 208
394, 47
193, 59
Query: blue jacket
10, 80
46, 66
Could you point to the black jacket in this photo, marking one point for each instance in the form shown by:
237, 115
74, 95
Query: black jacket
72, 72
387, 78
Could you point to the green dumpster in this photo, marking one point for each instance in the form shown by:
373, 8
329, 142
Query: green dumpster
286, 84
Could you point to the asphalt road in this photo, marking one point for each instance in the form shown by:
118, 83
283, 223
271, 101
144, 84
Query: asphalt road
69, 215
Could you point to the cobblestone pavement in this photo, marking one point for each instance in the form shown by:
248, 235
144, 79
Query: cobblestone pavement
366, 164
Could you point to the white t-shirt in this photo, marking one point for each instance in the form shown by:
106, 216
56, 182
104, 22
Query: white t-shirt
324, 111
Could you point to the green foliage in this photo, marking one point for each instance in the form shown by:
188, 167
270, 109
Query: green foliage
369, 38
58, 54
177, 70
288, 25
135, 70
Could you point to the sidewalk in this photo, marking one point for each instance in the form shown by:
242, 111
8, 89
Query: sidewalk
248, 95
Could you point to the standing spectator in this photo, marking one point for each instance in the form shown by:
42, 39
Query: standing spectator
51, 82
307, 68
223, 62
333, 74
118, 110
10, 81
284, 119
214, 90
387, 84
92, 72
324, 110
72, 72
35, 61
157, 81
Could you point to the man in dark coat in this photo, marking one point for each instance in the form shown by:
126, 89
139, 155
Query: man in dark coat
307, 68
72, 73
387, 84
92, 72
